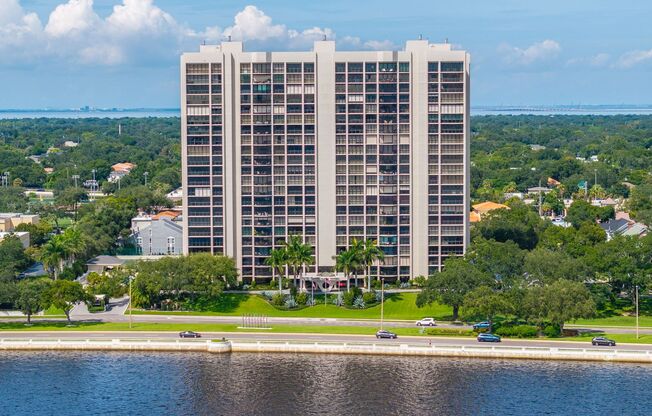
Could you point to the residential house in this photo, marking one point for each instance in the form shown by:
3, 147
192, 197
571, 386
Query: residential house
625, 227
482, 209
119, 170
159, 234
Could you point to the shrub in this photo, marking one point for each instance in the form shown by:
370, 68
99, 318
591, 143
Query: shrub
519, 331
379, 296
267, 295
293, 291
449, 331
404, 285
369, 297
291, 303
302, 298
358, 303
278, 299
551, 331
245, 287
311, 302
349, 297
419, 281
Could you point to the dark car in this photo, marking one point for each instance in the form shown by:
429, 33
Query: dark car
481, 325
603, 341
383, 333
488, 338
189, 334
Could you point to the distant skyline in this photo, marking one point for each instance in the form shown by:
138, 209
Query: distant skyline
124, 53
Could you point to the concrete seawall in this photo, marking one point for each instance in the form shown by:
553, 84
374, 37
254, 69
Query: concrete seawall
463, 351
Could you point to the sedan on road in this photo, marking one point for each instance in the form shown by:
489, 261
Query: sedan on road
481, 325
426, 322
383, 333
488, 338
189, 334
603, 341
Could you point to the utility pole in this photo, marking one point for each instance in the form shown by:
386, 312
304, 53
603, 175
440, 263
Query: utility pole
540, 200
75, 178
130, 319
146, 174
93, 185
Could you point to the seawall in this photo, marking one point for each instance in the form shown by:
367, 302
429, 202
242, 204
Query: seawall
304, 347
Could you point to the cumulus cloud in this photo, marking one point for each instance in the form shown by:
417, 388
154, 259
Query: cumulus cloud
138, 31
633, 58
599, 60
535, 53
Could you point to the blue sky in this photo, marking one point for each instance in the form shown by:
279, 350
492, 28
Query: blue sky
124, 53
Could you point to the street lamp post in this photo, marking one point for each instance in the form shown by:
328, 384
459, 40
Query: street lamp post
636, 311
130, 319
382, 301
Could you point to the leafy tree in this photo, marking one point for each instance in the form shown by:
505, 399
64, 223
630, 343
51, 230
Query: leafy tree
70, 198
456, 280
501, 260
543, 266
31, 296
559, 302
13, 259
112, 284
485, 303
581, 212
64, 294
38, 233
12, 199
519, 224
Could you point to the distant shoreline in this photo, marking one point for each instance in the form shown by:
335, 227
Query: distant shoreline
114, 113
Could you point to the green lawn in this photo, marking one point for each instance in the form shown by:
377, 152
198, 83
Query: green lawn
644, 321
397, 306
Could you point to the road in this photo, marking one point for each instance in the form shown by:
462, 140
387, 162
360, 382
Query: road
79, 335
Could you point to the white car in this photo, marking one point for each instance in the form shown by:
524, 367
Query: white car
426, 322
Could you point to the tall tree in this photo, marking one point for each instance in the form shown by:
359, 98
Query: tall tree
31, 296
65, 294
278, 261
370, 254
299, 255
485, 303
449, 286
559, 302
347, 261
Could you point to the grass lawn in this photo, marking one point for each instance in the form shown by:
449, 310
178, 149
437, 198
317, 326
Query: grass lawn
644, 320
397, 306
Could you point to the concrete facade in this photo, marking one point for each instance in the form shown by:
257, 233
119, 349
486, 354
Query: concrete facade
158, 234
329, 145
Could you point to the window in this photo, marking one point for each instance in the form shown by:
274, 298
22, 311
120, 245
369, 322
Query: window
171, 245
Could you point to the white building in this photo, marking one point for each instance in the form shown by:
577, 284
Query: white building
329, 145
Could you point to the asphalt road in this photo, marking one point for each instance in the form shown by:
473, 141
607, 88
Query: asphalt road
79, 335
305, 321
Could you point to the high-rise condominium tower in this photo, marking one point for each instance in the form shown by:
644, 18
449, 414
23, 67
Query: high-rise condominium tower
328, 145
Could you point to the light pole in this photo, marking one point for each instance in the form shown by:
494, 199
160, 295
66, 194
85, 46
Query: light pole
636, 311
130, 319
75, 178
146, 174
382, 301
7, 174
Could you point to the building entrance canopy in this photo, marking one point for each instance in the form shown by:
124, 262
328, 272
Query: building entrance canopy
325, 282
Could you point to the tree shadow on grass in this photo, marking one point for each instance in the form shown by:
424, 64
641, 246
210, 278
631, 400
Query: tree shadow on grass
225, 303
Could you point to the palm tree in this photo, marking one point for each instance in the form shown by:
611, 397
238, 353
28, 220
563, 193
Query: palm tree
299, 254
73, 243
347, 261
357, 246
370, 253
278, 260
52, 255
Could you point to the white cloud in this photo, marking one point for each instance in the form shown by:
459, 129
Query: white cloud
599, 60
72, 18
633, 58
137, 31
537, 52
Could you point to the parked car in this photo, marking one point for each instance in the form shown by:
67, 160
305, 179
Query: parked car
603, 341
189, 334
426, 322
383, 333
488, 338
481, 325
